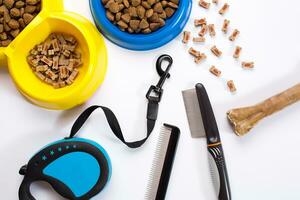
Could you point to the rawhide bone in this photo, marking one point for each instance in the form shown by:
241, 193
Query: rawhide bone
244, 119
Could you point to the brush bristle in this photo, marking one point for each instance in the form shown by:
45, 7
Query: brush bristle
158, 162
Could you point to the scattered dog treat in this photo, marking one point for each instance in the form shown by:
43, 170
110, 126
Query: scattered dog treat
200, 22
224, 9
204, 4
15, 16
237, 52
55, 61
200, 58
211, 30
234, 35
225, 26
186, 37
215, 71
203, 30
216, 51
137, 16
199, 39
215, 1
231, 86
194, 52
248, 65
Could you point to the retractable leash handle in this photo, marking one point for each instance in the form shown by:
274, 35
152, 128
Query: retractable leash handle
63, 163
24, 191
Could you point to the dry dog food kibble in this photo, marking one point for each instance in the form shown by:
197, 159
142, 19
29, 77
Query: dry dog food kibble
139, 16
55, 61
15, 15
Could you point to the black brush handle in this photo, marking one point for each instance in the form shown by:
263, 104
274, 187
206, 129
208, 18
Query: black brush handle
168, 163
213, 140
208, 117
218, 155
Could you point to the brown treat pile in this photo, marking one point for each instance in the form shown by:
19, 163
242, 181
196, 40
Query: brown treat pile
55, 61
139, 16
210, 28
15, 15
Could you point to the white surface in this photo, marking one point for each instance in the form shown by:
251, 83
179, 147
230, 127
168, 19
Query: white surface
263, 165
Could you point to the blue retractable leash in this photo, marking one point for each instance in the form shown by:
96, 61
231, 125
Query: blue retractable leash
77, 168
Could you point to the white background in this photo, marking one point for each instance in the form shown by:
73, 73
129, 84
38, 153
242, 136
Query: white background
262, 165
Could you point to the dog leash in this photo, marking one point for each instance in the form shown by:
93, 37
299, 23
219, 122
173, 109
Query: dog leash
154, 96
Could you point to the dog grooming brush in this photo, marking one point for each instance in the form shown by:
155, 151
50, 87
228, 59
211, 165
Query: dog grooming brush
198, 107
163, 163
76, 168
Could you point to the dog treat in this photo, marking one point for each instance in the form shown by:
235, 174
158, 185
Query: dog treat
216, 51
55, 61
215, 1
211, 30
139, 16
200, 22
199, 39
234, 35
244, 119
194, 52
215, 71
231, 86
186, 37
15, 15
200, 58
248, 65
224, 9
225, 26
237, 52
203, 30
204, 4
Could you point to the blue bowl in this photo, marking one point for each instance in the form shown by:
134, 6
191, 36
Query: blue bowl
142, 42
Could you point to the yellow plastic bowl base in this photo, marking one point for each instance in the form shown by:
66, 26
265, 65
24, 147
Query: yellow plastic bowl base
94, 56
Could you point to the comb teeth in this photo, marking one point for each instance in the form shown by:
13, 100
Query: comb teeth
158, 163
193, 113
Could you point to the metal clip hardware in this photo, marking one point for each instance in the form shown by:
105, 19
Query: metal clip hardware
155, 92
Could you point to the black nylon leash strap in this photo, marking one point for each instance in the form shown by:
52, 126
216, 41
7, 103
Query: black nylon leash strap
154, 96
113, 123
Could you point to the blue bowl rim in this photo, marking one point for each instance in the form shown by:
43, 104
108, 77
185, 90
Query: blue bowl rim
142, 42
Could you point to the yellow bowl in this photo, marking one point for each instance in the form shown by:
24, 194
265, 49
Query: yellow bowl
53, 18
